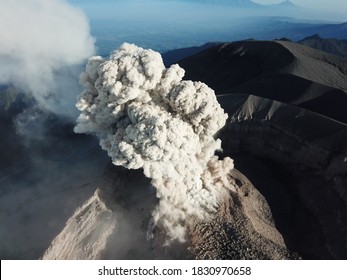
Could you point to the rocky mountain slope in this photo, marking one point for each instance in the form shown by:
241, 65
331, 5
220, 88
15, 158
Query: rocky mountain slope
297, 160
115, 224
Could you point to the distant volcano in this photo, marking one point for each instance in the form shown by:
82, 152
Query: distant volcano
285, 4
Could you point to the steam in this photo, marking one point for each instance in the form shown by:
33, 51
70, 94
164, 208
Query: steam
42, 44
147, 117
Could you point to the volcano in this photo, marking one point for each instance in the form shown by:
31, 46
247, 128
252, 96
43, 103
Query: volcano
285, 198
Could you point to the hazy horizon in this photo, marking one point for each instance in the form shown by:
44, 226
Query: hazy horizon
166, 25
319, 10
331, 6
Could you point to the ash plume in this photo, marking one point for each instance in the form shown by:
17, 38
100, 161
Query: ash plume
147, 117
42, 45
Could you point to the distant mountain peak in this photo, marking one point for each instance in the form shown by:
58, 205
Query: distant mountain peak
286, 3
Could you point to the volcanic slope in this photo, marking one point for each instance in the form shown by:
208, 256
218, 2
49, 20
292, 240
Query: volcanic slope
278, 70
297, 160
331, 45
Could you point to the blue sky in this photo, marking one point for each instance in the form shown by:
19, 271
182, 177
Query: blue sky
325, 6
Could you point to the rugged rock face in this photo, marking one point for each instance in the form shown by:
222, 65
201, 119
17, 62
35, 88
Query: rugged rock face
85, 234
112, 224
115, 224
297, 160
243, 228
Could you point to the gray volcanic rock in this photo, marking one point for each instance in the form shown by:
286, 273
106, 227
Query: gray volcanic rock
298, 161
85, 234
243, 228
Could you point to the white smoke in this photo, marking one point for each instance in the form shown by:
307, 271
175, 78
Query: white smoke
147, 117
42, 44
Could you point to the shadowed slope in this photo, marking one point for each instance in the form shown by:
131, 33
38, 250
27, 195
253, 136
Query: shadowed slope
283, 71
333, 46
297, 160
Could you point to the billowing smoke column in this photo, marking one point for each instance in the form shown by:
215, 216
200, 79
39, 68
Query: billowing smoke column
42, 44
147, 117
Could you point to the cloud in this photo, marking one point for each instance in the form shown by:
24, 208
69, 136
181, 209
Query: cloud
147, 117
42, 44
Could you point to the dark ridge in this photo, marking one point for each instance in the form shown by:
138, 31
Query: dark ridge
337, 31
329, 45
283, 71
173, 56
232, 64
